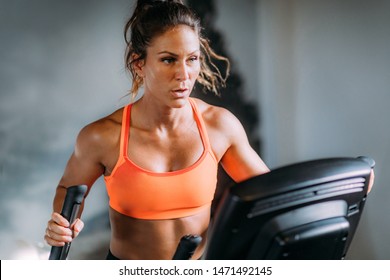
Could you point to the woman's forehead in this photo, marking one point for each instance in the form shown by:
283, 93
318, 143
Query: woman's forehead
176, 39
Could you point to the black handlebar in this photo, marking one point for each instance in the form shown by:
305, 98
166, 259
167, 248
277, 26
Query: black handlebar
70, 209
187, 247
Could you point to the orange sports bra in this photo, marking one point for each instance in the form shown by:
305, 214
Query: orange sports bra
142, 194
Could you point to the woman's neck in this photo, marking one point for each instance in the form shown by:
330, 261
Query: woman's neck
153, 115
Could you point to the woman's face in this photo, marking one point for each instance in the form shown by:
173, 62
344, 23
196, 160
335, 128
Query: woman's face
172, 65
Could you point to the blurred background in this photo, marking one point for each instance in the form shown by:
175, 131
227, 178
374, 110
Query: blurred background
317, 74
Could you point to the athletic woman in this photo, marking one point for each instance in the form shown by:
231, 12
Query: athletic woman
159, 154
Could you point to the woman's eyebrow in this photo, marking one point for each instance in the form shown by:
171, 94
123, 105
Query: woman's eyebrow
167, 52
174, 54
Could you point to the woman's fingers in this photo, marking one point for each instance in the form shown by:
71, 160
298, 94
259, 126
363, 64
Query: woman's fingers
77, 227
57, 231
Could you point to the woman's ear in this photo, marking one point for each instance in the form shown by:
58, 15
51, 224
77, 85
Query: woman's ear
138, 65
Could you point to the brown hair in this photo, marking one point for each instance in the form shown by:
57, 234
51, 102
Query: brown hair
153, 18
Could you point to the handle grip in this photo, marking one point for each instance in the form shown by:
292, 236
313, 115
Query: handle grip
187, 247
368, 160
70, 209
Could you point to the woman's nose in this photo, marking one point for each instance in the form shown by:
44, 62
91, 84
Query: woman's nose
182, 71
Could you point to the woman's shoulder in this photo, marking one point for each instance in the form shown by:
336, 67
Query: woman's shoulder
216, 116
223, 127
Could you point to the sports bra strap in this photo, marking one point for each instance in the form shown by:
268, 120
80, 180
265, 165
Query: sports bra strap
201, 126
125, 130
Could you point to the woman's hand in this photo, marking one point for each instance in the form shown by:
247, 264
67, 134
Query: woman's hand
58, 231
372, 179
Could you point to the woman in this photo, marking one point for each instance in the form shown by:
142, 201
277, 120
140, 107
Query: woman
159, 155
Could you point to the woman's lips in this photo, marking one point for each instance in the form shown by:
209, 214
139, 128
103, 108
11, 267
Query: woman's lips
179, 93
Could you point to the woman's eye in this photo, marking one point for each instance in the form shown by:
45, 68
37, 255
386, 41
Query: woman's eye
168, 60
194, 58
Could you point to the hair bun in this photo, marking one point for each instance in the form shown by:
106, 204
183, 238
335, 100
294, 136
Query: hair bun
151, 2
143, 5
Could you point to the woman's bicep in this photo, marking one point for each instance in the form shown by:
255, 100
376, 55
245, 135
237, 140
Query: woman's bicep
82, 168
240, 160
81, 171
84, 165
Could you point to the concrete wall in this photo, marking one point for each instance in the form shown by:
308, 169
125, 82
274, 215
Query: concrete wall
324, 89
322, 83
61, 68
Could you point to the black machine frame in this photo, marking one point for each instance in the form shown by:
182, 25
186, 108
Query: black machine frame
307, 210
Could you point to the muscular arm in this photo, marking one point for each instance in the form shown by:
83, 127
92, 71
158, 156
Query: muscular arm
84, 167
230, 143
240, 160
